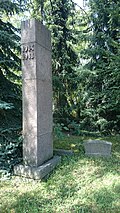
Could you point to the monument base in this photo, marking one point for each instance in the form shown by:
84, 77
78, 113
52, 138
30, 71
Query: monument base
37, 173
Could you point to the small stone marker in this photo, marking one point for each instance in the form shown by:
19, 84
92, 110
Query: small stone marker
37, 101
97, 148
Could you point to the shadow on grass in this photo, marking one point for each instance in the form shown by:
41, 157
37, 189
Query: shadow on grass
66, 185
105, 198
58, 191
29, 203
102, 201
103, 165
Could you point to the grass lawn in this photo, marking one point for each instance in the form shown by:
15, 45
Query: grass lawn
78, 185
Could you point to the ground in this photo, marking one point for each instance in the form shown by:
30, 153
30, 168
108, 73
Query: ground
78, 185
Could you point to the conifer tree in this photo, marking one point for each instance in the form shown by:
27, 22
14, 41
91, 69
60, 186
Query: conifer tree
103, 53
10, 71
59, 16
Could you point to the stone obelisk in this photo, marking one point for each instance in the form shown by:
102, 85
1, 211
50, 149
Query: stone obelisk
38, 158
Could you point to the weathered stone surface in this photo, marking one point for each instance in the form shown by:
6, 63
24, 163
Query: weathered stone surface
44, 148
44, 101
63, 152
37, 111
43, 73
33, 31
37, 172
37, 93
29, 106
97, 148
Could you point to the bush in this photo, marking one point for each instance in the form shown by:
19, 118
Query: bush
10, 149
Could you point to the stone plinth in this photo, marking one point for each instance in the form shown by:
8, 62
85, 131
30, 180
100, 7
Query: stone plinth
39, 172
97, 148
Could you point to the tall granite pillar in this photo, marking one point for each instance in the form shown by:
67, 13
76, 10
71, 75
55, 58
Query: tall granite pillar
37, 97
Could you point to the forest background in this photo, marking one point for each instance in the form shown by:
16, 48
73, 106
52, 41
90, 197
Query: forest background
85, 66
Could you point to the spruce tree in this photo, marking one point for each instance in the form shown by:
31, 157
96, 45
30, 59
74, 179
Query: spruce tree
59, 16
103, 53
10, 71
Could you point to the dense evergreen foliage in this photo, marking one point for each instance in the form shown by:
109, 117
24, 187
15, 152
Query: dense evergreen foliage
103, 88
10, 93
59, 16
85, 61
85, 65
10, 89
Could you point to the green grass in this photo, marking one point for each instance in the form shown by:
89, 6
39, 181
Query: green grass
78, 185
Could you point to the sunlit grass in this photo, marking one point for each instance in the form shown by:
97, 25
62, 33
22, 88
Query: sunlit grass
79, 184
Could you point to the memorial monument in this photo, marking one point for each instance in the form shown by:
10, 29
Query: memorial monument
38, 158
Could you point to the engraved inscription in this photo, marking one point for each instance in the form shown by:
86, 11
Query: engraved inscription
27, 52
